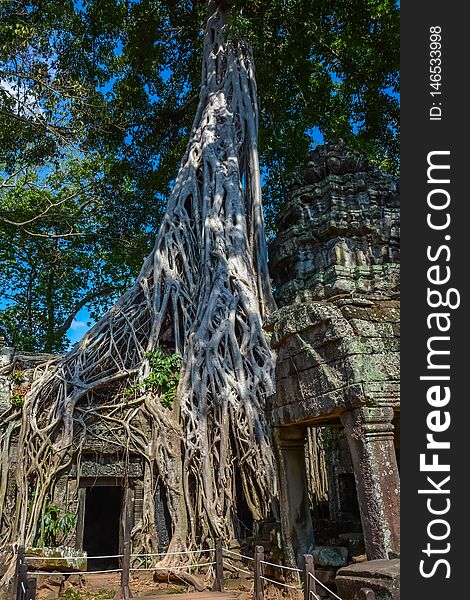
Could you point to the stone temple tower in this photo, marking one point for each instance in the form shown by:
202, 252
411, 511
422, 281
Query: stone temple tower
335, 268
338, 232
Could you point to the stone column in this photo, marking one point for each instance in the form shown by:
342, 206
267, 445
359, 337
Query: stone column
296, 520
369, 432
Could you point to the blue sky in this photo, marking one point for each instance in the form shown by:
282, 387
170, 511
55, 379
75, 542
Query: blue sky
80, 326
83, 321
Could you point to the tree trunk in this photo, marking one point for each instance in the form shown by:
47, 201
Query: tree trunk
202, 293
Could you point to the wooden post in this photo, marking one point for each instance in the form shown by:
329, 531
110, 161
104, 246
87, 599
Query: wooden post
22, 578
219, 567
124, 592
19, 571
310, 585
366, 594
31, 588
258, 584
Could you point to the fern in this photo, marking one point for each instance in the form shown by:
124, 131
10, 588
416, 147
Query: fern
163, 377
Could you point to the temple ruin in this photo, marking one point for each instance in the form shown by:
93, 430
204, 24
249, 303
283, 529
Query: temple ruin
335, 269
335, 265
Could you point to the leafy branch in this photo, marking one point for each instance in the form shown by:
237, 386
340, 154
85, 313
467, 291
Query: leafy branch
54, 526
163, 377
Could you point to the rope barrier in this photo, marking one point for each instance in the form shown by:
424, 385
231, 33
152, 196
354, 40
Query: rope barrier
227, 564
192, 566
293, 587
174, 553
264, 562
117, 555
71, 557
238, 554
312, 593
73, 572
324, 586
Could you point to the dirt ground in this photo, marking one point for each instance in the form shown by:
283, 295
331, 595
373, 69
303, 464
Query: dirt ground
103, 586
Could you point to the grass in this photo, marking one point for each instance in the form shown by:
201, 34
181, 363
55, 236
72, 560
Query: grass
75, 594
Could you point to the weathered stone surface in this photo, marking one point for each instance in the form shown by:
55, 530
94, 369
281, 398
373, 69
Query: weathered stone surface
48, 587
73, 581
330, 556
327, 576
382, 576
329, 360
339, 231
370, 434
335, 264
16, 374
108, 465
293, 493
56, 559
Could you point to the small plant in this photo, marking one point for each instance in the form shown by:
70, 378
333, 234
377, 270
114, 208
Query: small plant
163, 377
74, 594
327, 438
17, 400
54, 526
18, 377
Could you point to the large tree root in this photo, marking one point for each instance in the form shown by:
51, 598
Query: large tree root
202, 293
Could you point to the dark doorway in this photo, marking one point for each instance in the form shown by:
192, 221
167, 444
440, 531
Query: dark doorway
348, 497
101, 528
244, 521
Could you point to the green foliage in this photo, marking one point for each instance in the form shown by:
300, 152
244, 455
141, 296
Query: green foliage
82, 251
72, 594
327, 438
16, 400
18, 377
97, 100
54, 526
163, 377
81, 594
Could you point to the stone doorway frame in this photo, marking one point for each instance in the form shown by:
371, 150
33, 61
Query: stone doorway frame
127, 506
370, 435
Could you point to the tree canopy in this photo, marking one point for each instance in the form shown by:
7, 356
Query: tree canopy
97, 98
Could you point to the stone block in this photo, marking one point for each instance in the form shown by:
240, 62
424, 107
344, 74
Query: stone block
330, 556
63, 559
381, 576
327, 576
73, 581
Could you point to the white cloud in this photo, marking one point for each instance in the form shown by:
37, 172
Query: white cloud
25, 103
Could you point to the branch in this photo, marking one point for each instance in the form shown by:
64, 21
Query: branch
81, 303
41, 214
168, 114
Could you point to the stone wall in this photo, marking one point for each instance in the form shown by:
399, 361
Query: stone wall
335, 266
16, 374
334, 356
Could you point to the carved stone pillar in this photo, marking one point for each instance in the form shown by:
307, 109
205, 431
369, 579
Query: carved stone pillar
296, 520
370, 436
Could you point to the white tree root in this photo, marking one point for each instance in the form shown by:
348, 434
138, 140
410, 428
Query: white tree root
203, 293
